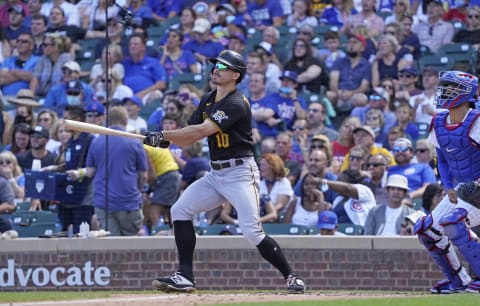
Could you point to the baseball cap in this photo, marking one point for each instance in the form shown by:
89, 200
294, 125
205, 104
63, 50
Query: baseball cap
402, 142
397, 180
366, 129
134, 99
41, 131
360, 38
17, 8
200, 7
265, 46
288, 74
239, 36
380, 91
72, 66
409, 70
201, 25
327, 219
74, 88
321, 137
431, 70
227, 7
95, 107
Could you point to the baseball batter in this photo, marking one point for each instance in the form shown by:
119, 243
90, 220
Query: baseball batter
224, 116
456, 135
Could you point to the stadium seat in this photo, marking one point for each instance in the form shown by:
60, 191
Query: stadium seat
36, 230
440, 62
156, 229
350, 229
26, 218
284, 229
417, 204
23, 206
198, 80
218, 229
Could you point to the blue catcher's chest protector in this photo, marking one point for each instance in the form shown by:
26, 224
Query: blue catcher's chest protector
461, 153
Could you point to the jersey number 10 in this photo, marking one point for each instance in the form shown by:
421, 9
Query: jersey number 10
223, 140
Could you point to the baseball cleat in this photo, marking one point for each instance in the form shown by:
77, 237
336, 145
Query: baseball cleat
445, 287
176, 283
295, 284
474, 286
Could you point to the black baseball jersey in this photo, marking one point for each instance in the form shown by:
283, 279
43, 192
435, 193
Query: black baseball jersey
233, 116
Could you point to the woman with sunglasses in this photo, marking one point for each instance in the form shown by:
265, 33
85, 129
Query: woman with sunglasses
12, 172
48, 70
471, 34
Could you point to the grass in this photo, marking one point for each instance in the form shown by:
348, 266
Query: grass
335, 299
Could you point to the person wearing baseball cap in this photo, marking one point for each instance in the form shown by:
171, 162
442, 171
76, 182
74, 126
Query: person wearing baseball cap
72, 92
201, 44
424, 102
328, 223
95, 113
419, 175
136, 124
365, 136
386, 219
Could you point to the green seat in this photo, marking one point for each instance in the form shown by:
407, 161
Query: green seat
218, 229
156, 229
284, 229
198, 80
87, 48
23, 206
27, 218
36, 229
417, 204
440, 62
350, 229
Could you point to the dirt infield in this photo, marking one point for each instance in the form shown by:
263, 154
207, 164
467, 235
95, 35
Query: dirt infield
211, 299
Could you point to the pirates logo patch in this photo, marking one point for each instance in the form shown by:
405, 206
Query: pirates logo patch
219, 116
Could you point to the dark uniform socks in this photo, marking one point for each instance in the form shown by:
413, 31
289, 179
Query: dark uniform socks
185, 239
271, 251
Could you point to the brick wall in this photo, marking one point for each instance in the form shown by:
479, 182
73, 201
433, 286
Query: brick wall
361, 263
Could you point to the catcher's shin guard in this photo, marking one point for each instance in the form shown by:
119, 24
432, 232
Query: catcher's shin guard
462, 237
442, 254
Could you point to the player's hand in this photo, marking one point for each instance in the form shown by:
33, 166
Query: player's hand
156, 139
452, 195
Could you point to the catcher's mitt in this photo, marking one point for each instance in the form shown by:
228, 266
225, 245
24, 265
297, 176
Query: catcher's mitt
470, 192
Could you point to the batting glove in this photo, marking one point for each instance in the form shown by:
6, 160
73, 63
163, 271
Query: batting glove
156, 139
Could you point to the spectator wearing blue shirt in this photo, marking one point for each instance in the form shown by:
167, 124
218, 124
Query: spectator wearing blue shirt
286, 105
351, 74
202, 46
265, 13
142, 13
175, 60
335, 14
196, 166
419, 175
127, 175
17, 71
71, 91
143, 74
164, 9
16, 17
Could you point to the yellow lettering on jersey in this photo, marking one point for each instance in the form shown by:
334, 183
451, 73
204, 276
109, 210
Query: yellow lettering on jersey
223, 140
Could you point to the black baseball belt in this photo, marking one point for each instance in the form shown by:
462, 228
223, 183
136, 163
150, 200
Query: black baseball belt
219, 165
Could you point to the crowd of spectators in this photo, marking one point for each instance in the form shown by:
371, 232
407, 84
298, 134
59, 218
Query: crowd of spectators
339, 99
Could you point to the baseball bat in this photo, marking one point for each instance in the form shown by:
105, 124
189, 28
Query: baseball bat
97, 129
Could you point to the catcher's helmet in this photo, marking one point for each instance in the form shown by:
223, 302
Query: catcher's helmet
233, 60
455, 88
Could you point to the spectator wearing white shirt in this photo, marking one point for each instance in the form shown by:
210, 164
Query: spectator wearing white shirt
387, 219
424, 103
136, 124
71, 11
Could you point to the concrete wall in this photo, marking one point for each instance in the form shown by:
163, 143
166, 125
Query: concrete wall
223, 262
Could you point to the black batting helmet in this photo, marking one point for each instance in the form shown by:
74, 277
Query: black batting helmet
233, 60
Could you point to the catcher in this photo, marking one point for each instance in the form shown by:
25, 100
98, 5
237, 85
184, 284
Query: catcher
456, 136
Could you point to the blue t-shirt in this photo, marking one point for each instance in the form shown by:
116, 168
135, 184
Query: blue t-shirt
156, 118
417, 174
262, 14
56, 98
351, 79
193, 167
180, 65
13, 63
141, 75
332, 16
163, 7
130, 158
208, 48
